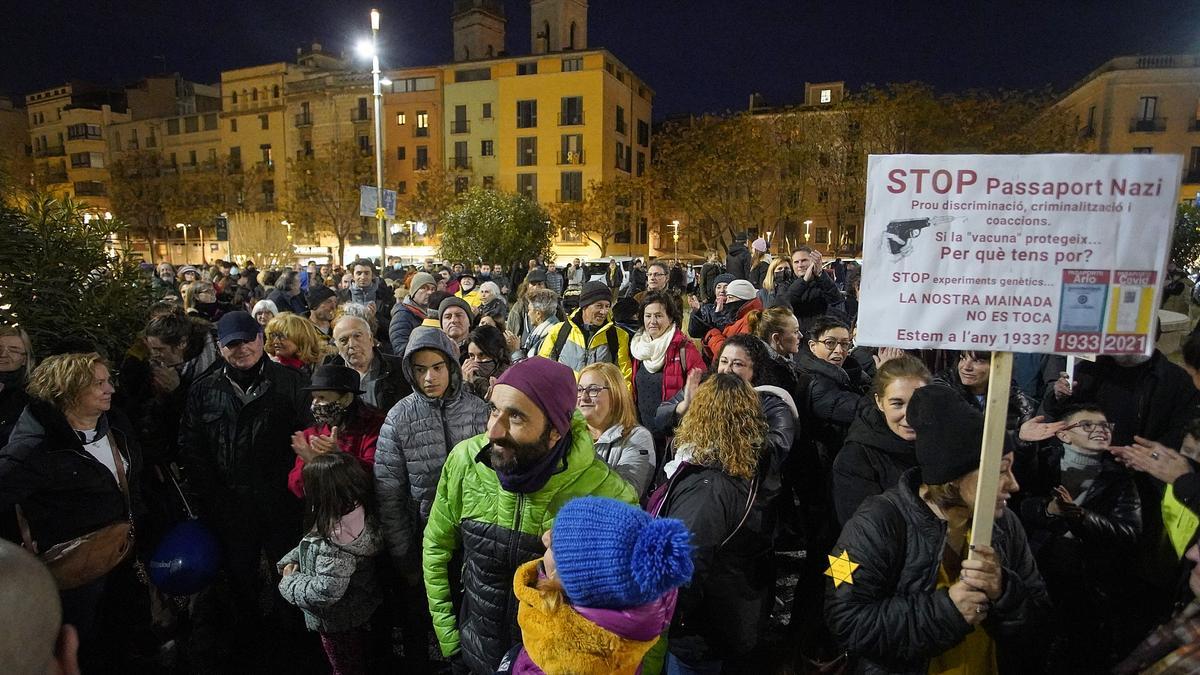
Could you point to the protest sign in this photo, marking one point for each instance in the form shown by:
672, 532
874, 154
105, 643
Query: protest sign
1025, 253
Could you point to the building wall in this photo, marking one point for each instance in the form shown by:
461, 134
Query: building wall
403, 99
16, 153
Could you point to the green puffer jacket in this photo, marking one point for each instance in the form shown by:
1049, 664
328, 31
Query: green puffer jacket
497, 531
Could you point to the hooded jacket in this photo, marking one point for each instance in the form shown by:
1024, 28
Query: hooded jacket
892, 616
871, 461
737, 262
405, 317
414, 442
336, 585
495, 531
715, 338
576, 354
63, 490
583, 640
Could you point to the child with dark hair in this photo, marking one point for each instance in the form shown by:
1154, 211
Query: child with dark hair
330, 576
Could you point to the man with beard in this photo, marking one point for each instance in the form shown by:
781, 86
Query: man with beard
322, 301
497, 496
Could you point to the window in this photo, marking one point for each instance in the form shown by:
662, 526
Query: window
191, 125
361, 112
233, 125
461, 183
173, 126
573, 64
235, 158
264, 121
1091, 118
489, 182
572, 149
527, 151
422, 161
422, 123
620, 155
212, 155
571, 112
826, 97
402, 187
133, 139
401, 119
472, 75
1147, 108
461, 160
822, 235
233, 97
254, 94
151, 140
823, 196
527, 68
307, 151
527, 185
411, 84
192, 158
268, 193
90, 188
572, 187
526, 114
86, 159
174, 161
620, 120
210, 122
487, 111
487, 149
364, 144
609, 67
265, 148
643, 133
400, 153
641, 163
459, 124
1142, 151
275, 91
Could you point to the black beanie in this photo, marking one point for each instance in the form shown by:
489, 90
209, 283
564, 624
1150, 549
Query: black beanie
594, 291
949, 433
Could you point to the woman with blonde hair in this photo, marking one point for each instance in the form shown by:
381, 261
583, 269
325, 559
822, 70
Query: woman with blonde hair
293, 341
72, 474
16, 362
777, 279
719, 489
607, 406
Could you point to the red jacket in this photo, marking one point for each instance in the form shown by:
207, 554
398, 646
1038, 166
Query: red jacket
358, 438
715, 339
675, 367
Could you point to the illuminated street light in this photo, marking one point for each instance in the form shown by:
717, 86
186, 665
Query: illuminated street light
807, 224
675, 236
181, 226
370, 49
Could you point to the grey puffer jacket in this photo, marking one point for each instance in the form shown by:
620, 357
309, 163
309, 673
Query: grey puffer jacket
632, 457
416, 437
336, 585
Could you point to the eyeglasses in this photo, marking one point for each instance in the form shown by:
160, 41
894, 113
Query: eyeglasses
590, 392
831, 344
276, 336
1088, 426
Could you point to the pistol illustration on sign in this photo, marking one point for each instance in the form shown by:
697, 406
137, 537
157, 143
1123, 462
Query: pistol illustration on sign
900, 233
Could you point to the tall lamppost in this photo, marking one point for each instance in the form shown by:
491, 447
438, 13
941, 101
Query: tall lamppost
377, 91
181, 226
675, 236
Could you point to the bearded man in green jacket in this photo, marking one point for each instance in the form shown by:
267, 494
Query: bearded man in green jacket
497, 496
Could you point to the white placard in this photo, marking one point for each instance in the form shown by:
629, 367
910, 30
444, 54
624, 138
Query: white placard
1023, 253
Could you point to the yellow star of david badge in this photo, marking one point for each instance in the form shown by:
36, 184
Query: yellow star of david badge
841, 569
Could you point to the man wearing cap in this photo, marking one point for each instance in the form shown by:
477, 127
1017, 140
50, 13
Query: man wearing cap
589, 335
737, 262
411, 311
467, 290
455, 317
901, 595
322, 301
518, 315
235, 444
341, 422
498, 494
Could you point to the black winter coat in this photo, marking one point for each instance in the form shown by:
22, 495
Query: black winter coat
737, 262
63, 490
871, 461
758, 273
720, 611
236, 449
833, 398
813, 298
892, 617
296, 304
13, 400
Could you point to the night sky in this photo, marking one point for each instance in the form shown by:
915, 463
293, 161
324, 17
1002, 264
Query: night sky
698, 55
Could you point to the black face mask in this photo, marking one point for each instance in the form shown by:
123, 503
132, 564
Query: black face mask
328, 414
486, 369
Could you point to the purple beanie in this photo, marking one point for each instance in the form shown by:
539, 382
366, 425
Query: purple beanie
549, 384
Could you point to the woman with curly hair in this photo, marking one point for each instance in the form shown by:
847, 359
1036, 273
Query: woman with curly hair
293, 341
718, 490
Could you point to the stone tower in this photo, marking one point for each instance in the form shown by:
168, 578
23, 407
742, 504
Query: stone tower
558, 25
478, 29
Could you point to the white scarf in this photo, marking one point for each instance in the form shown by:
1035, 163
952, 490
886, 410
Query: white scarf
652, 352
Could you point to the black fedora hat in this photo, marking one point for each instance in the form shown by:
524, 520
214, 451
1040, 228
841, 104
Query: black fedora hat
335, 378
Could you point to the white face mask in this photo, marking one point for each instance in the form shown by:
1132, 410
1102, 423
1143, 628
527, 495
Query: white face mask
1130, 360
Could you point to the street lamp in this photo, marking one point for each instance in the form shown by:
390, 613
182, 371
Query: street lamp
371, 49
675, 236
807, 224
181, 226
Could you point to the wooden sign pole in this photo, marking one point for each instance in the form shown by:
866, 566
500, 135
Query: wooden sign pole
994, 417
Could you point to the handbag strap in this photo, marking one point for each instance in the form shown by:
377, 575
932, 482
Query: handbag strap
749, 505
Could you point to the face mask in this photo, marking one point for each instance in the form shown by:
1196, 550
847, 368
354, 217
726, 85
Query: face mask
328, 414
486, 369
396, 266
1130, 360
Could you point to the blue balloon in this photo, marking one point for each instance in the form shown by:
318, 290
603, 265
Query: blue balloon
186, 559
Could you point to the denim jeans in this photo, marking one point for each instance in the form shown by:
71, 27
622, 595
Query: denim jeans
677, 667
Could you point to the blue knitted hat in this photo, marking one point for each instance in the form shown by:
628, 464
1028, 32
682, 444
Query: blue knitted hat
615, 556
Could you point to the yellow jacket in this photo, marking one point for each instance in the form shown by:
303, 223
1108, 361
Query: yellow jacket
574, 353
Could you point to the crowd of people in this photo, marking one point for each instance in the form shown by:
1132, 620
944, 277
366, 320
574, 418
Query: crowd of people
489, 468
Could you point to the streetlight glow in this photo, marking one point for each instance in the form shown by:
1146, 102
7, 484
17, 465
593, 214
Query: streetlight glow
365, 49
374, 19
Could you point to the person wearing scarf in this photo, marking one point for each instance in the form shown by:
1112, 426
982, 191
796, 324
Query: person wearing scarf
498, 494
662, 357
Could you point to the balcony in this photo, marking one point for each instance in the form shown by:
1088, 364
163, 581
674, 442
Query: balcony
268, 166
360, 116
52, 151
570, 119
463, 163
52, 177
570, 157
90, 189
421, 132
460, 127
1151, 125
304, 120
